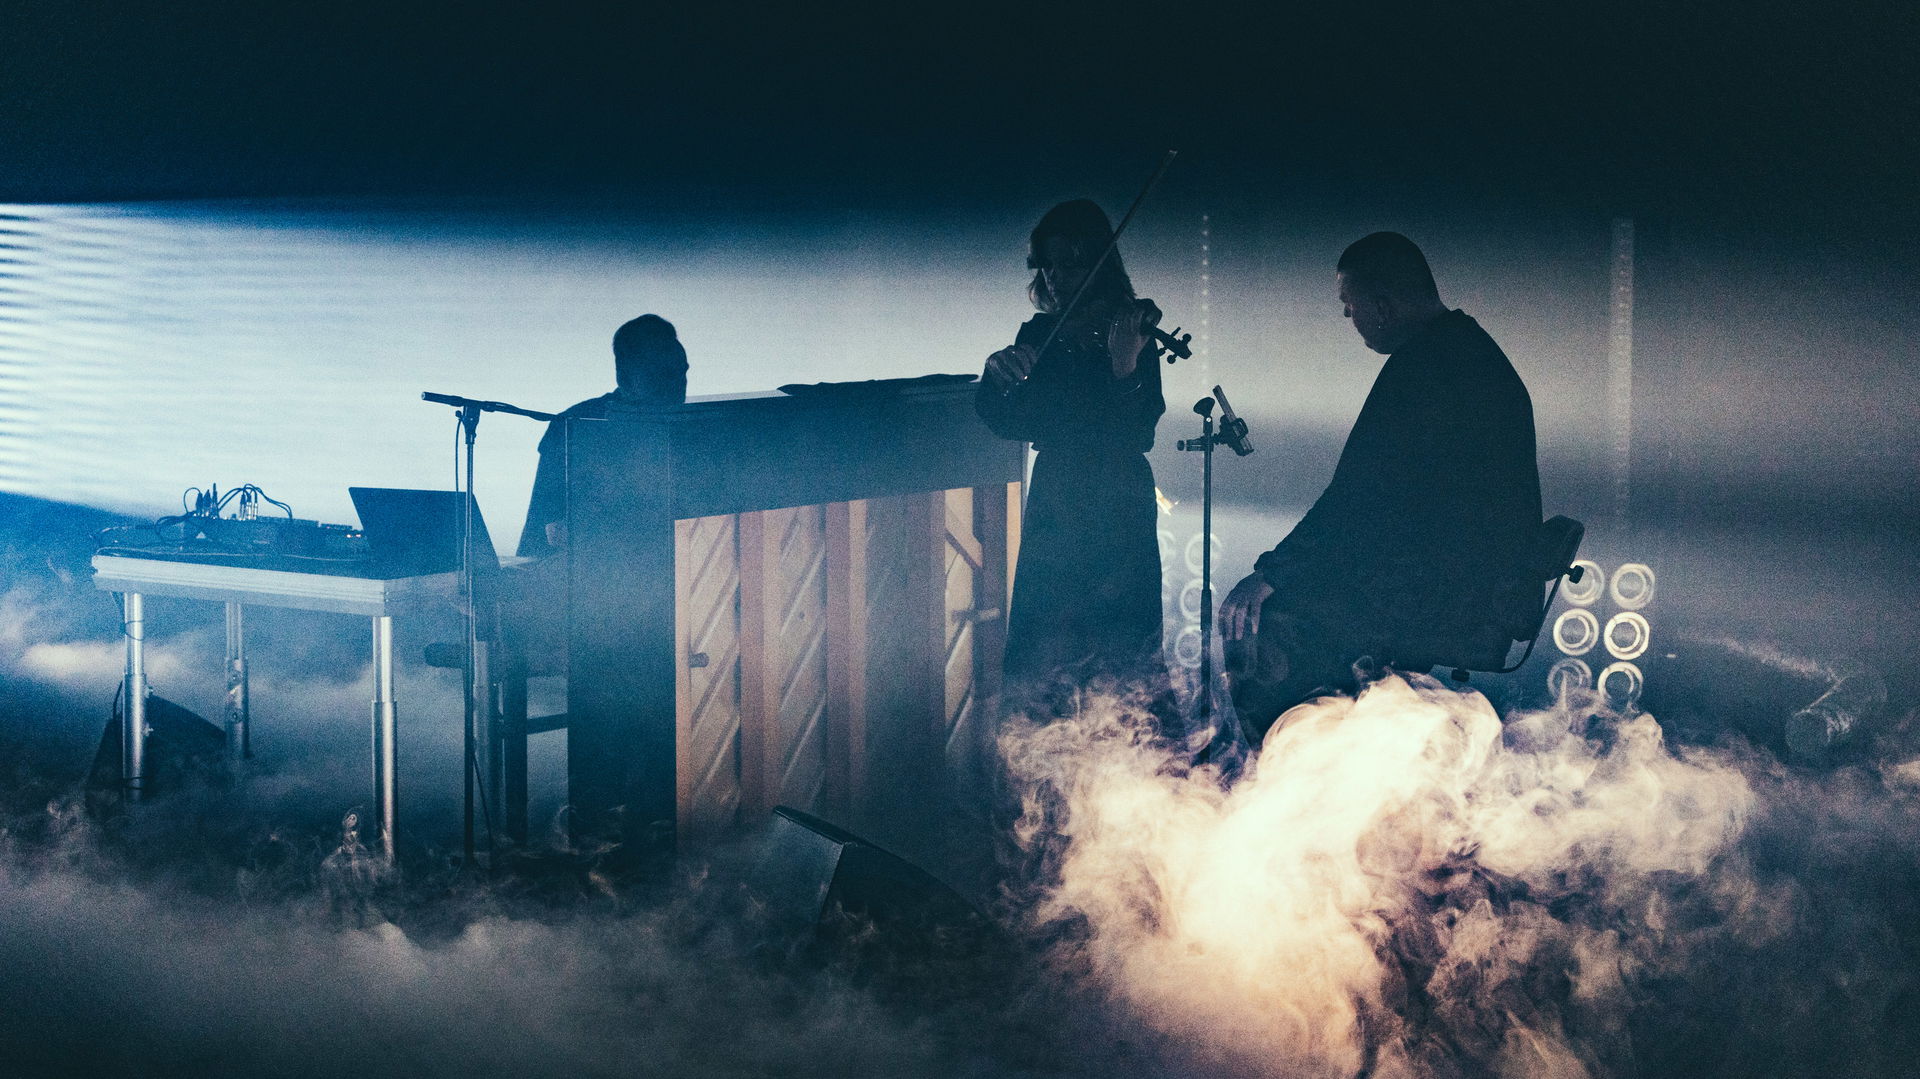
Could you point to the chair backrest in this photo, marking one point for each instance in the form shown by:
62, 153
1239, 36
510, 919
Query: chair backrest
1519, 611
1554, 547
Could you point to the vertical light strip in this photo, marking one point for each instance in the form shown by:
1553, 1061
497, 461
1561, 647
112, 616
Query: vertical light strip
1620, 372
1206, 295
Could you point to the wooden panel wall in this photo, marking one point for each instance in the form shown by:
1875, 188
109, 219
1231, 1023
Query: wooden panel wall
707, 690
836, 658
783, 660
961, 569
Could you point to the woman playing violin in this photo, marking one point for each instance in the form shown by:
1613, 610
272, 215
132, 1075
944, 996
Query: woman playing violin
1086, 393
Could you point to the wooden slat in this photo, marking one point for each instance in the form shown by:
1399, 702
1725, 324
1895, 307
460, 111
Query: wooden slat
706, 611
846, 780
684, 552
996, 521
960, 526
799, 636
782, 658
1016, 505
926, 587
902, 693
961, 558
757, 679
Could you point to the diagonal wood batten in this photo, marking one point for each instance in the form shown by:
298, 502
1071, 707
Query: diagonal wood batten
707, 712
831, 638
783, 663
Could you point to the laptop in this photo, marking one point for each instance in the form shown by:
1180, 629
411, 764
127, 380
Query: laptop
415, 533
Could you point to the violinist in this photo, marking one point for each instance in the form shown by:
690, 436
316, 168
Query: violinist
1086, 393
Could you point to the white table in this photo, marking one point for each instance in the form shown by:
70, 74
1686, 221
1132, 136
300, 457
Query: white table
238, 586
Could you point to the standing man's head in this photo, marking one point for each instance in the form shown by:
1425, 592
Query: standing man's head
1062, 252
1387, 289
648, 362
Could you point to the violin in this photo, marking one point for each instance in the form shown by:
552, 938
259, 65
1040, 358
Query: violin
1090, 326
1174, 346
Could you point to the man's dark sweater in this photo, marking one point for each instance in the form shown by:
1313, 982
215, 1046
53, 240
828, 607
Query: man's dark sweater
549, 501
1434, 501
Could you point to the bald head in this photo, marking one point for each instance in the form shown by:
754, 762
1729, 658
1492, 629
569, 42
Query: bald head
649, 362
1388, 264
1387, 289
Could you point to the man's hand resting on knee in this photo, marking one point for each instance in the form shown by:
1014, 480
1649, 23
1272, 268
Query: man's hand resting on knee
1240, 611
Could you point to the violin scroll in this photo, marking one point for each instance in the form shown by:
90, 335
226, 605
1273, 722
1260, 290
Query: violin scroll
1175, 345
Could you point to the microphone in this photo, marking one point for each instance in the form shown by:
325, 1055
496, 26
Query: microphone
486, 406
1233, 429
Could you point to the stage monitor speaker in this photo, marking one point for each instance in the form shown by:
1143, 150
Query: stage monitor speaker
834, 891
182, 747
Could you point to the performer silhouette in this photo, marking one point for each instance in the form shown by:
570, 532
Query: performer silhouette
1086, 593
1422, 535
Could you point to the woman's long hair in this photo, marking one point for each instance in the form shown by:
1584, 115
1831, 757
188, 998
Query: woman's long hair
1085, 226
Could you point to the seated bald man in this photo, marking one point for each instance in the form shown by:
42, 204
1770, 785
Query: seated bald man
1423, 531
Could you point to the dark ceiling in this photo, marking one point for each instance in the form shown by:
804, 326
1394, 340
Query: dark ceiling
1752, 105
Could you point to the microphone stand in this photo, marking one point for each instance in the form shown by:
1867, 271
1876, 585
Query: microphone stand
477, 686
1233, 435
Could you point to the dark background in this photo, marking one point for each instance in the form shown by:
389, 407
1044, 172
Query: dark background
1737, 108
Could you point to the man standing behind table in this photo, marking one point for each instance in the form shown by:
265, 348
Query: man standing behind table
1422, 534
650, 368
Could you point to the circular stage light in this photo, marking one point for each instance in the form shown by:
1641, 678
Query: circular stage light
1576, 631
1167, 546
1627, 635
1589, 588
1568, 675
1621, 684
1193, 552
1170, 634
1186, 648
1633, 586
1190, 601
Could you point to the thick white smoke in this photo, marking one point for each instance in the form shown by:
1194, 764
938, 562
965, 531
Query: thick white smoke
1404, 885
236, 931
107, 977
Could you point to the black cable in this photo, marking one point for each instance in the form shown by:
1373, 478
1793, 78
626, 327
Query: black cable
265, 497
245, 491
1544, 611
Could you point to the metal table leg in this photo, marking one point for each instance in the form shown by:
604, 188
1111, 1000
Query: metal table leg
238, 706
386, 782
133, 732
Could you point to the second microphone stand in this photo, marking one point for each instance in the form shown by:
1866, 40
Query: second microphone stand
478, 735
1233, 435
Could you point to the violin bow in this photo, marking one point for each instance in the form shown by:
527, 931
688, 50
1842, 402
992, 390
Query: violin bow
1112, 244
